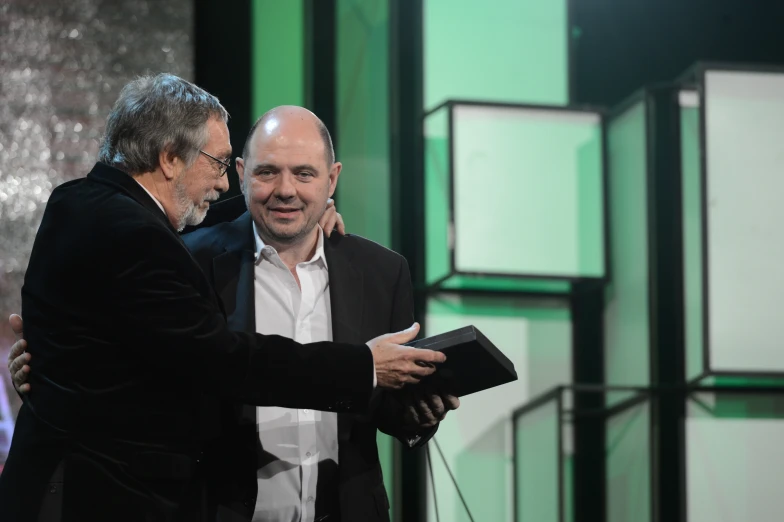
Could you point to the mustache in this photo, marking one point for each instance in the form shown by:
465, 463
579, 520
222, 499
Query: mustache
212, 196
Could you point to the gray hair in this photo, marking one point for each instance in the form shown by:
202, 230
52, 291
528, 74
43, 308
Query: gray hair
155, 114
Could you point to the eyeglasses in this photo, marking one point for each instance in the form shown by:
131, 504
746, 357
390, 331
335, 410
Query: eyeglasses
224, 166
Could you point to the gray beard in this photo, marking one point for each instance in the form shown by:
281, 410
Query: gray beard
189, 214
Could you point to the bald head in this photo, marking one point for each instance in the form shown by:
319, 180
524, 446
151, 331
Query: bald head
285, 117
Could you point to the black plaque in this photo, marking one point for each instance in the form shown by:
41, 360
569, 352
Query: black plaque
473, 363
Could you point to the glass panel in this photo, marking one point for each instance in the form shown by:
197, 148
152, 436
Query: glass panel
568, 486
467, 41
528, 192
626, 316
734, 458
567, 454
536, 336
362, 108
744, 114
485, 470
692, 232
745, 381
629, 465
536, 464
465, 282
437, 195
277, 46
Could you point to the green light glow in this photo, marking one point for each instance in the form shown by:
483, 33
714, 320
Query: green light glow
277, 55
505, 50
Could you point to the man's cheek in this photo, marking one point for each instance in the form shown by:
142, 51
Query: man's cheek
261, 195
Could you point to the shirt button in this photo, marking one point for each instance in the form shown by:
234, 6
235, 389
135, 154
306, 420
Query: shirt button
305, 411
307, 454
310, 499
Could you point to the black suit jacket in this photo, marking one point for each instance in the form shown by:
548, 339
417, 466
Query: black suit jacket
370, 294
131, 350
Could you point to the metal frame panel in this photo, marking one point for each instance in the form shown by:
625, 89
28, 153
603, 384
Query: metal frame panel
453, 271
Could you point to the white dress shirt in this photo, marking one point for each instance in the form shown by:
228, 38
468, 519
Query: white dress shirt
297, 440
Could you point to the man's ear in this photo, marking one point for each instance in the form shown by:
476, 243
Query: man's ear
334, 174
171, 164
240, 164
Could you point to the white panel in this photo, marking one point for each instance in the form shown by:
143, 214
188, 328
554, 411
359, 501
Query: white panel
626, 314
745, 185
734, 470
527, 194
688, 99
691, 183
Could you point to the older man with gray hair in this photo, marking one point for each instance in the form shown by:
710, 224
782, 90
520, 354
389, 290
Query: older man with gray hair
132, 350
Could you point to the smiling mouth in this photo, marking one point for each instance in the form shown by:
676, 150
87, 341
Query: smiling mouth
284, 211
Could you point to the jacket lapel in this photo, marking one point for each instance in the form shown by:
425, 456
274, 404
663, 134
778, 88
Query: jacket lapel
345, 293
345, 297
233, 275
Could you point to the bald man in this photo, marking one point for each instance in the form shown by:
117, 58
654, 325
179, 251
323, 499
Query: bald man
277, 273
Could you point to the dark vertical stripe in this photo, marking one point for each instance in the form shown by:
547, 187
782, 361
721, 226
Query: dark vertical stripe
587, 304
222, 61
320, 64
407, 198
667, 308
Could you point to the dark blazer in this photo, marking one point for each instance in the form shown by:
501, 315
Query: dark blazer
370, 294
132, 354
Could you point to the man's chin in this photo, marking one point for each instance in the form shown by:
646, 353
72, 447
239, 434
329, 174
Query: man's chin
287, 234
193, 218
199, 216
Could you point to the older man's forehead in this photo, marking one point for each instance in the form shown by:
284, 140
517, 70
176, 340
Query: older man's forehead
219, 142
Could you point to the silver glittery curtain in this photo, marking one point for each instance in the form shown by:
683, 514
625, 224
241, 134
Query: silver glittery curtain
62, 65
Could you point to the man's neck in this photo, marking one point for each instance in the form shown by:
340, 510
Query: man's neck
294, 253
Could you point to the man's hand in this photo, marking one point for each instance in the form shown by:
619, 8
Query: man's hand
398, 365
426, 405
17, 358
332, 220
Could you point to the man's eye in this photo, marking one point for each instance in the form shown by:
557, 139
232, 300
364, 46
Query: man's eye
265, 173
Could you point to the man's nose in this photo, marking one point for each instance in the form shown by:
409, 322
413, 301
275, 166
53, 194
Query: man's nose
285, 188
222, 183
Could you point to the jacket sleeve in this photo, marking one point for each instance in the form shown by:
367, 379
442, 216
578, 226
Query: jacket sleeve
389, 412
176, 327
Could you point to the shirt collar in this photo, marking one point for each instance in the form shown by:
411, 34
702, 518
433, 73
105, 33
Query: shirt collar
153, 197
318, 255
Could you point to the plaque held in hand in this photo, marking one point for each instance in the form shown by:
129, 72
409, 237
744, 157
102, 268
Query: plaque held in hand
473, 363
